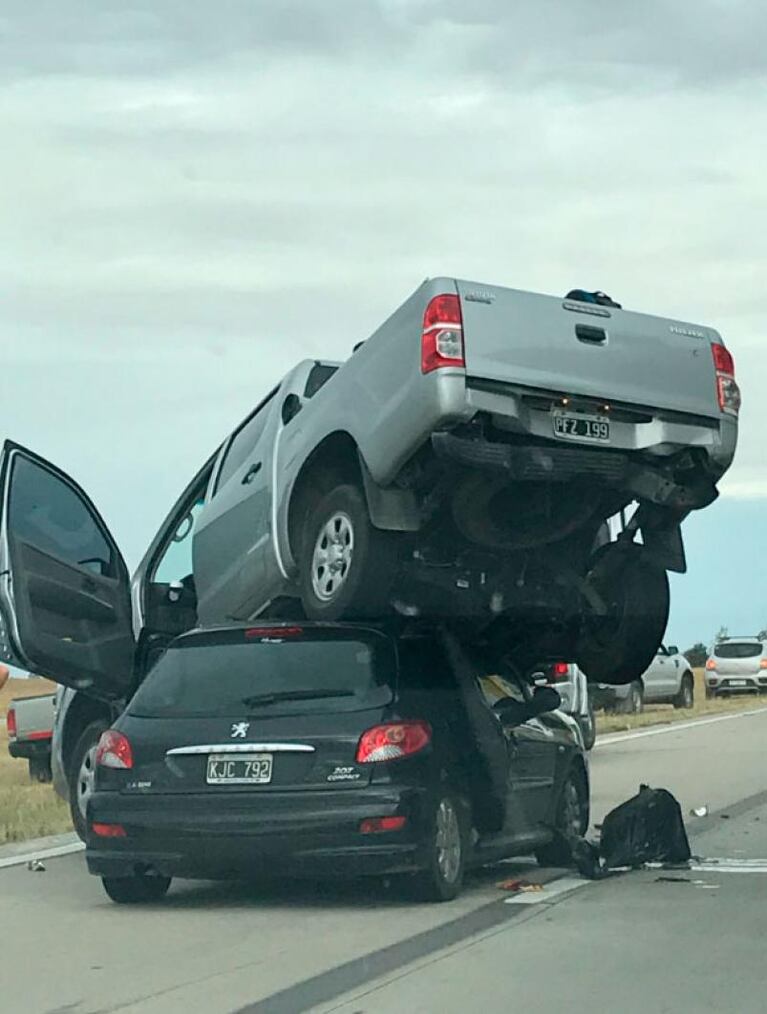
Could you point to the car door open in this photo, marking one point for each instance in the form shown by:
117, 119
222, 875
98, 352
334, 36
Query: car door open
64, 591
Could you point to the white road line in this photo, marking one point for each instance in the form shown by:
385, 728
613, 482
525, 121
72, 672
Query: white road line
51, 853
550, 891
693, 723
730, 866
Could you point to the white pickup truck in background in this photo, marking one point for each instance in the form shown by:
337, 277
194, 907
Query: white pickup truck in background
30, 730
667, 680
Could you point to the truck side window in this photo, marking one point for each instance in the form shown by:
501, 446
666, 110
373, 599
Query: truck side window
243, 442
47, 513
175, 564
320, 375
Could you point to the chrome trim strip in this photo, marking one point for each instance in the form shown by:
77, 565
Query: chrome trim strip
204, 748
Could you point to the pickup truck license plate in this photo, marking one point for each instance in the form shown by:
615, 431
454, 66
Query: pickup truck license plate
239, 769
574, 426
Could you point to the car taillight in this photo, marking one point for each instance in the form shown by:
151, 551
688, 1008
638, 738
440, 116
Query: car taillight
559, 672
108, 830
374, 825
711, 664
727, 390
442, 334
393, 741
114, 751
10, 722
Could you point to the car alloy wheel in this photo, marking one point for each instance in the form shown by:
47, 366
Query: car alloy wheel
86, 778
447, 841
332, 556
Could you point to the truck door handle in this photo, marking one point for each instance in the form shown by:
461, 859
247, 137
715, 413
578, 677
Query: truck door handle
251, 473
590, 335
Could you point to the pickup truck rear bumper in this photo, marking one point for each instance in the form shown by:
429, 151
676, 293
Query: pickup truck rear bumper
29, 749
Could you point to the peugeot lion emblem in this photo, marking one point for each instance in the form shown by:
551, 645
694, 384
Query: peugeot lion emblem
239, 730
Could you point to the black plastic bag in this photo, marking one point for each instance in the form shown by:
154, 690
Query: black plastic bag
646, 828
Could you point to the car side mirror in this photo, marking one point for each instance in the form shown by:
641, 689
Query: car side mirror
290, 408
545, 699
513, 712
672, 649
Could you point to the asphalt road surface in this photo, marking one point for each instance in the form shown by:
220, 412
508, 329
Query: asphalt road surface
630, 943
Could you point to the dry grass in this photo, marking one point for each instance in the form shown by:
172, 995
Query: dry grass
27, 809
663, 714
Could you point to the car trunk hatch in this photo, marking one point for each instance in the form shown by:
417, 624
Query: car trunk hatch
583, 349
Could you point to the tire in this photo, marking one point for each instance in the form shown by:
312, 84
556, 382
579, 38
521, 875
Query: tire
356, 580
588, 724
81, 774
40, 769
617, 648
445, 845
136, 890
572, 818
633, 702
686, 696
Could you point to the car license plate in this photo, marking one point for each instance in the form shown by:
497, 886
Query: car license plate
738, 683
239, 769
575, 426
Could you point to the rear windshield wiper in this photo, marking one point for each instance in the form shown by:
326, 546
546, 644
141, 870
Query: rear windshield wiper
293, 695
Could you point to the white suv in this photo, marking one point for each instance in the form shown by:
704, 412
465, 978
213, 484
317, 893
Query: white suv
737, 665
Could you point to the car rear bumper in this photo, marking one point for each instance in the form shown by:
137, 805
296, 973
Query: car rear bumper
736, 684
237, 836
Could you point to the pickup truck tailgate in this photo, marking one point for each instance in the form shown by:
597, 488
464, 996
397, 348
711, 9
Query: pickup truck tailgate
535, 341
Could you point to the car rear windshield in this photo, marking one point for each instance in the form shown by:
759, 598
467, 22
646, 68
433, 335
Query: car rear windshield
738, 649
267, 674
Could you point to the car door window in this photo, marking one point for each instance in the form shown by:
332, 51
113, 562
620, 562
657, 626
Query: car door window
320, 374
243, 443
175, 562
48, 514
495, 688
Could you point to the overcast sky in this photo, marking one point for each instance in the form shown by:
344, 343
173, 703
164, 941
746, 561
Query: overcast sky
195, 196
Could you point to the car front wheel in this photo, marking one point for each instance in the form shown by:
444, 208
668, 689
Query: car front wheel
571, 820
137, 889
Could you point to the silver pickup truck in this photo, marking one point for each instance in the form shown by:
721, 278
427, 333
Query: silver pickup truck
29, 721
463, 462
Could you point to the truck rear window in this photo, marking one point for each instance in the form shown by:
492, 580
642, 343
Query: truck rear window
229, 676
738, 649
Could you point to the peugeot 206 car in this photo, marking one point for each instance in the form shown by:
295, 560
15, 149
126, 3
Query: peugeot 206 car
338, 749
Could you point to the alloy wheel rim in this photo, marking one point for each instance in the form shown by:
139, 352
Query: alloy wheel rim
332, 556
571, 810
85, 780
448, 842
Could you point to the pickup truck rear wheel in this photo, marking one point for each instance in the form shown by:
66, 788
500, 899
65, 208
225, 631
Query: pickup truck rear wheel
40, 769
616, 648
686, 696
346, 565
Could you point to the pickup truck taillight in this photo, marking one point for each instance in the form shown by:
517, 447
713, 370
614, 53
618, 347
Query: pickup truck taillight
442, 334
114, 751
559, 672
727, 390
10, 721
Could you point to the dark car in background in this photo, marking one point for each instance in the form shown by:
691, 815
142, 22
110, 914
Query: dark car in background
329, 749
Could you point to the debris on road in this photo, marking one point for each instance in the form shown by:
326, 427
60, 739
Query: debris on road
699, 811
517, 885
35, 866
648, 828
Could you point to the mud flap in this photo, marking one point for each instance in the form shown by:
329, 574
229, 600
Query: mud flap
486, 755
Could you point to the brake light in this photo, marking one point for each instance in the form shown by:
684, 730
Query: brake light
711, 665
727, 390
559, 671
374, 825
393, 741
109, 830
254, 632
10, 722
442, 334
114, 751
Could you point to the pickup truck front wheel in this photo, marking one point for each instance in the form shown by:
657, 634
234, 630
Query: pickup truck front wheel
616, 647
346, 565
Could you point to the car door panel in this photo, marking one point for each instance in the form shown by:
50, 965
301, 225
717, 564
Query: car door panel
535, 765
64, 592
